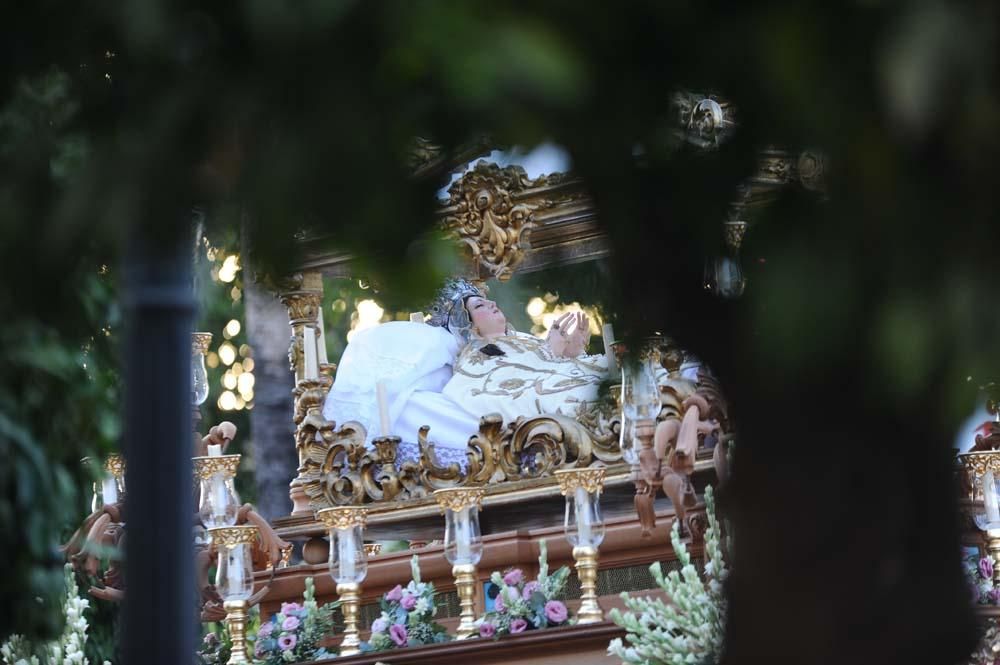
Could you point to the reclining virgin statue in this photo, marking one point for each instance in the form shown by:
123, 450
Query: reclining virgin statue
463, 363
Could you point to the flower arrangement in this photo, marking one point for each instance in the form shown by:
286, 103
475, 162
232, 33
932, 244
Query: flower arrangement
690, 629
68, 649
407, 617
215, 648
979, 573
526, 605
293, 635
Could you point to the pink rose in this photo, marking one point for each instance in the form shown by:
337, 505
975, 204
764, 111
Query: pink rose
994, 596
986, 567
498, 604
555, 611
290, 623
287, 642
408, 602
486, 629
513, 577
530, 588
394, 594
398, 634
518, 626
288, 608
265, 630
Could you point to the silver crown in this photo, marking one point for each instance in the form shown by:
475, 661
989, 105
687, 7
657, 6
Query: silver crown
448, 309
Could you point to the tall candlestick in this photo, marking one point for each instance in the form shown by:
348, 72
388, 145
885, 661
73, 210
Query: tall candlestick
109, 491
321, 342
463, 536
345, 552
609, 336
309, 347
214, 450
416, 317
989, 498
383, 407
583, 520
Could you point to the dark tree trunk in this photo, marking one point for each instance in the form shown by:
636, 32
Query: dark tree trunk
273, 443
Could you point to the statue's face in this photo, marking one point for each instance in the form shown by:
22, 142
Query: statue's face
486, 316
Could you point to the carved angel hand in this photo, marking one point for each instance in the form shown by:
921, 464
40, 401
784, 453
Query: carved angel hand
580, 337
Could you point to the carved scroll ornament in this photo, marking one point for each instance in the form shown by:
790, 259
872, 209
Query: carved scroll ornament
483, 213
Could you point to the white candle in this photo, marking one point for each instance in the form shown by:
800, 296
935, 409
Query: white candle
609, 336
109, 491
383, 407
989, 498
323, 359
583, 519
311, 370
345, 552
463, 536
214, 450
416, 317
220, 499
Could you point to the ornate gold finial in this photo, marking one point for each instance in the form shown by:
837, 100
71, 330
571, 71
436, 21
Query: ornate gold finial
231, 536
373, 549
976, 465
590, 479
343, 517
457, 498
115, 465
207, 466
200, 342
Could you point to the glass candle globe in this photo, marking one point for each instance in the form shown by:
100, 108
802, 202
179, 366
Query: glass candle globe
640, 392
348, 559
219, 502
234, 566
463, 541
199, 375
582, 522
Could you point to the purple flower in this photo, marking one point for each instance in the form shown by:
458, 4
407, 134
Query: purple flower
398, 634
518, 626
287, 642
265, 630
555, 611
408, 602
994, 596
530, 588
288, 608
210, 639
379, 625
290, 623
394, 594
986, 567
486, 629
498, 604
513, 577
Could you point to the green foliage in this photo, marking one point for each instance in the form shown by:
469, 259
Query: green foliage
689, 627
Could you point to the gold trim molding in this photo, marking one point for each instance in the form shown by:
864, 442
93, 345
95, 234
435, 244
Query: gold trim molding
200, 341
457, 498
206, 466
231, 536
591, 480
115, 465
343, 517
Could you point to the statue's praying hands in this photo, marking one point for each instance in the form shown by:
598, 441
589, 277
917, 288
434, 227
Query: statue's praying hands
569, 335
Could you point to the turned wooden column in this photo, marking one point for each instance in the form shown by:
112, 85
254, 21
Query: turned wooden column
303, 298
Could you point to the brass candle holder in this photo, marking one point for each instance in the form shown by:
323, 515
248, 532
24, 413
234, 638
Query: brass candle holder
463, 547
234, 579
348, 566
585, 531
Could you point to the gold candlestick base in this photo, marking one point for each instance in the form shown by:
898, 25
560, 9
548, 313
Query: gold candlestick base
236, 622
993, 547
350, 599
465, 584
586, 569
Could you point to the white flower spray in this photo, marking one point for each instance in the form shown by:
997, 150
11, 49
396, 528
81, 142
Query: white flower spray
690, 628
68, 649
